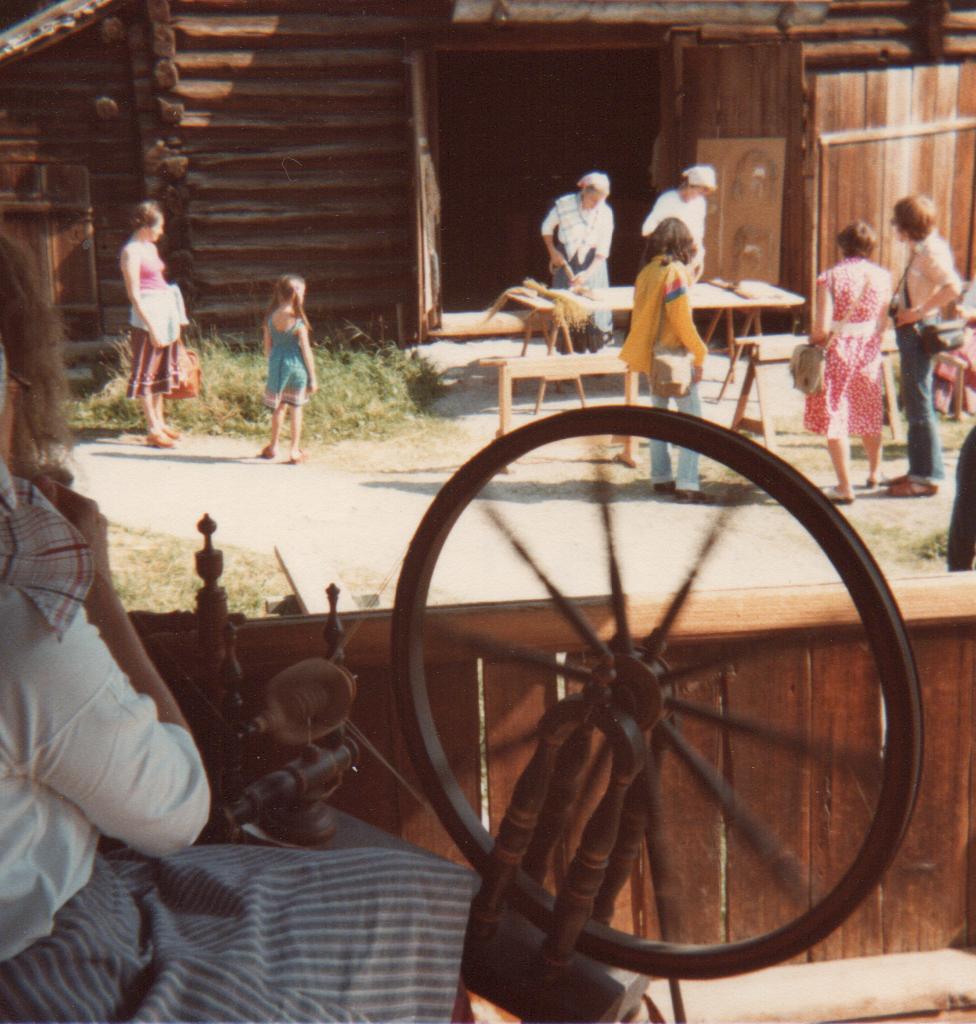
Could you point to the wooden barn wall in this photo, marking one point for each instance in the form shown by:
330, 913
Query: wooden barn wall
73, 104
748, 91
293, 122
860, 32
882, 134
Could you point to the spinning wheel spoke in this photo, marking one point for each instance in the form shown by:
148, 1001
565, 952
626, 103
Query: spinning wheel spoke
856, 760
569, 610
622, 641
658, 639
482, 645
770, 800
782, 864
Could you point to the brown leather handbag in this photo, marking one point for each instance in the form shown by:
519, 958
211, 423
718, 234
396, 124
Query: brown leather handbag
190, 373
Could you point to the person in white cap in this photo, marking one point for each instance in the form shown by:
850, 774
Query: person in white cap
577, 233
687, 202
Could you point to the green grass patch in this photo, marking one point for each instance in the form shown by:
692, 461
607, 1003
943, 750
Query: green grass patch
364, 393
153, 572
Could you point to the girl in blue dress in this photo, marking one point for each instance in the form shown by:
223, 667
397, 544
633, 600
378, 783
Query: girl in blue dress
291, 370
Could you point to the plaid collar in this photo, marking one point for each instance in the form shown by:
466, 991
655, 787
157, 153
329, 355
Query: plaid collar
41, 553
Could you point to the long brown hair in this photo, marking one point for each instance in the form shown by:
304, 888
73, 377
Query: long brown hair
672, 240
32, 336
286, 291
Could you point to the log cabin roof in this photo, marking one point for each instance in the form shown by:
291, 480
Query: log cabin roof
654, 12
48, 25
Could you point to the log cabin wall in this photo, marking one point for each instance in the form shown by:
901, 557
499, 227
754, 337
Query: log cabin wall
74, 103
293, 119
927, 899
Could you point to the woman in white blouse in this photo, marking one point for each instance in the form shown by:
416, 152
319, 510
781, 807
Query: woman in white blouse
577, 233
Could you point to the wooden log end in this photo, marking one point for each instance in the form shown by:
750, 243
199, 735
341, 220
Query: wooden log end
113, 31
158, 10
173, 168
166, 75
169, 113
163, 41
106, 109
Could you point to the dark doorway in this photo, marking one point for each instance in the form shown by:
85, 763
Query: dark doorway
516, 130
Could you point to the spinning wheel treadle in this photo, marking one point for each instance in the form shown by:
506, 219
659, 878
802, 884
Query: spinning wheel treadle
733, 782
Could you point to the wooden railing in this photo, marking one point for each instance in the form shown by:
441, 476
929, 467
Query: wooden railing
928, 897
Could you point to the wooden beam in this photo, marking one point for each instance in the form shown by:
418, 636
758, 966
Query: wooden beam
905, 131
305, 60
935, 601
242, 28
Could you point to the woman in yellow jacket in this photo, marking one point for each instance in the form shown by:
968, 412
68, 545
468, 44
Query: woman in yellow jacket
662, 319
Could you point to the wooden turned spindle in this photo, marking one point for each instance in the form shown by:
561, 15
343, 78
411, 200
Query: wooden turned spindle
518, 825
232, 709
633, 819
211, 602
563, 792
333, 632
574, 903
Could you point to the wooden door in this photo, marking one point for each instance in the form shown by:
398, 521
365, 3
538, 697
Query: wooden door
881, 135
745, 91
48, 208
427, 199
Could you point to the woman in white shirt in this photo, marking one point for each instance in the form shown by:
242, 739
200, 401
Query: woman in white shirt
93, 743
577, 233
689, 203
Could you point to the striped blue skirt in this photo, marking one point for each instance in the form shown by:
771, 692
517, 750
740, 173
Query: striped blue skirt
240, 933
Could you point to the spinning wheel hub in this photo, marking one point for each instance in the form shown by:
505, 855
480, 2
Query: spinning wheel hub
637, 688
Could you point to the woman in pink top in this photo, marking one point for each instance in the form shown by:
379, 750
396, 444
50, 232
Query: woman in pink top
156, 318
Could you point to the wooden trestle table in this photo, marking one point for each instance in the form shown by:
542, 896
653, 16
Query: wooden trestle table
750, 298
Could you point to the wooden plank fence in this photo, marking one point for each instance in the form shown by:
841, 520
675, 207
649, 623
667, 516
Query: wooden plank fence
927, 898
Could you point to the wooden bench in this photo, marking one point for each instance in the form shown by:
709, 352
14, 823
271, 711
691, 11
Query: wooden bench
309, 571
776, 349
558, 368
525, 322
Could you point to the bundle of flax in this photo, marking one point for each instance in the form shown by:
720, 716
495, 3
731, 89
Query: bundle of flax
566, 308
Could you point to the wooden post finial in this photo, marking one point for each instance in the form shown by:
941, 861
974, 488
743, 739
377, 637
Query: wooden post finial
211, 603
333, 633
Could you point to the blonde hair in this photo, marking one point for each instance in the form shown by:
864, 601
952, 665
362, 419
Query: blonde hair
32, 336
285, 293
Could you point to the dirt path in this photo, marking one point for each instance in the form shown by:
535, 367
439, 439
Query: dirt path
355, 506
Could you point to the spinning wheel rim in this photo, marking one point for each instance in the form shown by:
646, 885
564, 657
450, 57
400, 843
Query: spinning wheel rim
869, 592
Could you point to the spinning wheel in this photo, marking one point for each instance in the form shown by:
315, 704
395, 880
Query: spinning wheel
668, 784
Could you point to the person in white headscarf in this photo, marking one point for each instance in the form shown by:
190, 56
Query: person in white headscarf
577, 233
689, 203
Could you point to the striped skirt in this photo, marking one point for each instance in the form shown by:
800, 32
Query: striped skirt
155, 371
239, 933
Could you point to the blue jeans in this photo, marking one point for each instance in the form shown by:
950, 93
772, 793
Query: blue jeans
962, 526
924, 444
661, 470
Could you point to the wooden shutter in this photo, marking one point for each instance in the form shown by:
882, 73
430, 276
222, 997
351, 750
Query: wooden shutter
48, 208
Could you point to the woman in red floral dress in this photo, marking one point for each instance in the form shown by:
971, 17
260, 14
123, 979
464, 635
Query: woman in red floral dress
850, 314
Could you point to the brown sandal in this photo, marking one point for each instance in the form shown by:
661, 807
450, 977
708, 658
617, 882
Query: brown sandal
297, 460
159, 441
267, 452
